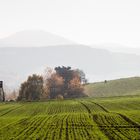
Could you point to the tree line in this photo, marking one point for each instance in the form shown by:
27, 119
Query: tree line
58, 83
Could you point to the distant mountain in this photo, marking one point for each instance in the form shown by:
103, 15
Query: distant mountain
119, 87
33, 38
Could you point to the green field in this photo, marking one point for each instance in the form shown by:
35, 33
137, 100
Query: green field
119, 87
114, 118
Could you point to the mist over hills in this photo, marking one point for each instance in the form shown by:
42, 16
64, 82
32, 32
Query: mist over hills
21, 58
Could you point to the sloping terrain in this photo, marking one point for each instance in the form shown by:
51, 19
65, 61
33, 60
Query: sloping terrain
119, 87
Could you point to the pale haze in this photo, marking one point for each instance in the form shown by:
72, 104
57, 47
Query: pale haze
83, 21
101, 37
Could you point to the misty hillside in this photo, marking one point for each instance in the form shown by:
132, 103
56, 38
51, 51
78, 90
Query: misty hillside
16, 63
119, 87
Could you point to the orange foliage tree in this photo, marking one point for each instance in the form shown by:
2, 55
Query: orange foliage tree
63, 81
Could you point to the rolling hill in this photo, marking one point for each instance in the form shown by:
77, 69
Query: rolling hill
120, 87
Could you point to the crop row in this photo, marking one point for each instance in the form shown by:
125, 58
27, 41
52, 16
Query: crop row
69, 119
70, 126
116, 127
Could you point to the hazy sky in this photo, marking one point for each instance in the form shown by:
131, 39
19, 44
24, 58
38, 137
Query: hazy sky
84, 21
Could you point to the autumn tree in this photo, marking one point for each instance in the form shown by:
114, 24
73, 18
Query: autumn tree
65, 82
75, 88
48, 72
81, 75
55, 85
62, 82
32, 89
66, 73
12, 96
